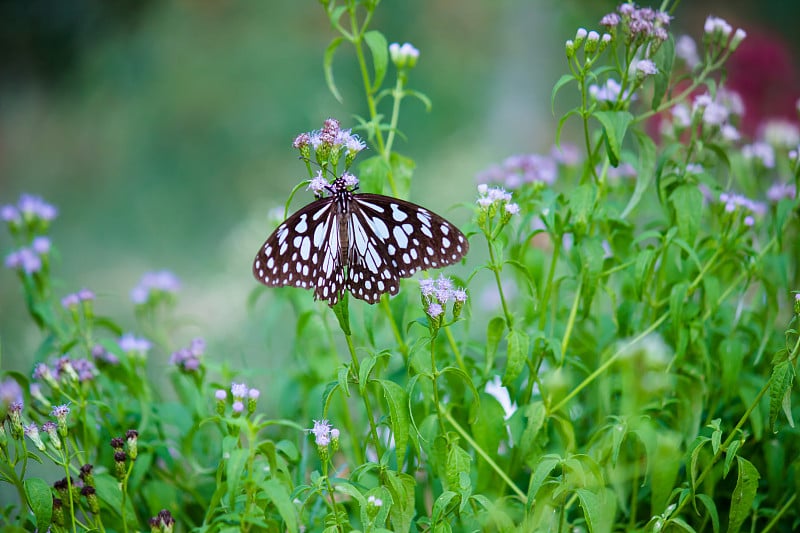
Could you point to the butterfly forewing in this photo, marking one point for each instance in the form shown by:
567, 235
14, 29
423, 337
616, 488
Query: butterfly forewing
302, 251
371, 239
393, 239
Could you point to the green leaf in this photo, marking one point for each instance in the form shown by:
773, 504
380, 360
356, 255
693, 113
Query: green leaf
687, 200
542, 471
342, 311
677, 297
401, 487
402, 172
664, 59
699, 443
380, 55
598, 509
581, 201
562, 81
780, 388
458, 462
535, 414
615, 125
645, 173
494, 332
441, 505
234, 468
327, 65
711, 507
743, 495
397, 399
373, 174
730, 455
40, 500
279, 496
664, 462
517, 355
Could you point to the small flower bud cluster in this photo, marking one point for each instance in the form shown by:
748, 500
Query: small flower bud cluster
404, 56
242, 397
124, 449
155, 287
638, 25
435, 293
610, 92
188, 359
797, 303
163, 522
719, 35
65, 372
55, 431
494, 200
593, 44
779, 191
329, 144
761, 153
716, 115
72, 301
374, 505
27, 221
325, 435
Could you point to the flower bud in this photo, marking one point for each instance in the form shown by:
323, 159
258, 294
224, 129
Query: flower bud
32, 432
592, 40
90, 494
569, 47
132, 439
52, 432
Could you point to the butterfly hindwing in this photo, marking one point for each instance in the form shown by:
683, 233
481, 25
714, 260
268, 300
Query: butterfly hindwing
392, 239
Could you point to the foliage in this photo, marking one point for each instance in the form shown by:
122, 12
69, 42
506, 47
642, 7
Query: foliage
637, 372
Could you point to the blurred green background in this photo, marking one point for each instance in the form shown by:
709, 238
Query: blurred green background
162, 129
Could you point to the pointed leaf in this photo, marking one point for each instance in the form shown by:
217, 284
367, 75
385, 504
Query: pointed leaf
645, 173
380, 56
687, 200
277, 493
743, 495
397, 399
40, 498
562, 81
598, 509
494, 332
542, 471
327, 65
615, 125
780, 387
517, 355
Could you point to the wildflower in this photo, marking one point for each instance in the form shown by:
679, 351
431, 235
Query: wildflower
24, 259
102, 355
334, 439
10, 392
645, 67
131, 439
238, 390
403, 56
133, 345
681, 116
237, 407
444, 287
779, 191
43, 372
797, 303
84, 368
350, 180
51, 429
738, 36
154, 284
35, 208
566, 154
252, 398
427, 287
188, 359
694, 168
373, 505
32, 432
58, 512
611, 20
322, 432
716, 28
162, 522
761, 152
434, 310
36, 393
60, 413
70, 301
90, 493
220, 395
592, 40
749, 220
41, 245
730, 133
119, 463
686, 49
512, 209
318, 184
713, 113
11, 215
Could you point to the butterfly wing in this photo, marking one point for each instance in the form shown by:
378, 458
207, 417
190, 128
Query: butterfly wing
304, 251
391, 239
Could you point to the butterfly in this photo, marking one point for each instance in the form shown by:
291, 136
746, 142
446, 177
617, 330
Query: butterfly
362, 243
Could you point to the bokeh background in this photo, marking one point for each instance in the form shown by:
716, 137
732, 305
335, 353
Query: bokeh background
162, 129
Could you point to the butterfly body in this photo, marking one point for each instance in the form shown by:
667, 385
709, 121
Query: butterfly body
363, 243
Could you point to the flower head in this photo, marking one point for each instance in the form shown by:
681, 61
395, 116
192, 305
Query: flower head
134, 345
318, 184
322, 432
154, 284
403, 56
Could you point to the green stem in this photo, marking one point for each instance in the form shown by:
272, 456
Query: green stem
365, 396
496, 270
788, 505
456, 352
434, 379
485, 456
571, 321
398, 336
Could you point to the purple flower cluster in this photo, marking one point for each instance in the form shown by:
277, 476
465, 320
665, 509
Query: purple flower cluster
492, 197
437, 292
74, 299
517, 170
240, 393
27, 259
329, 144
779, 191
188, 359
154, 284
10, 392
639, 24
323, 432
750, 207
29, 209
65, 369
